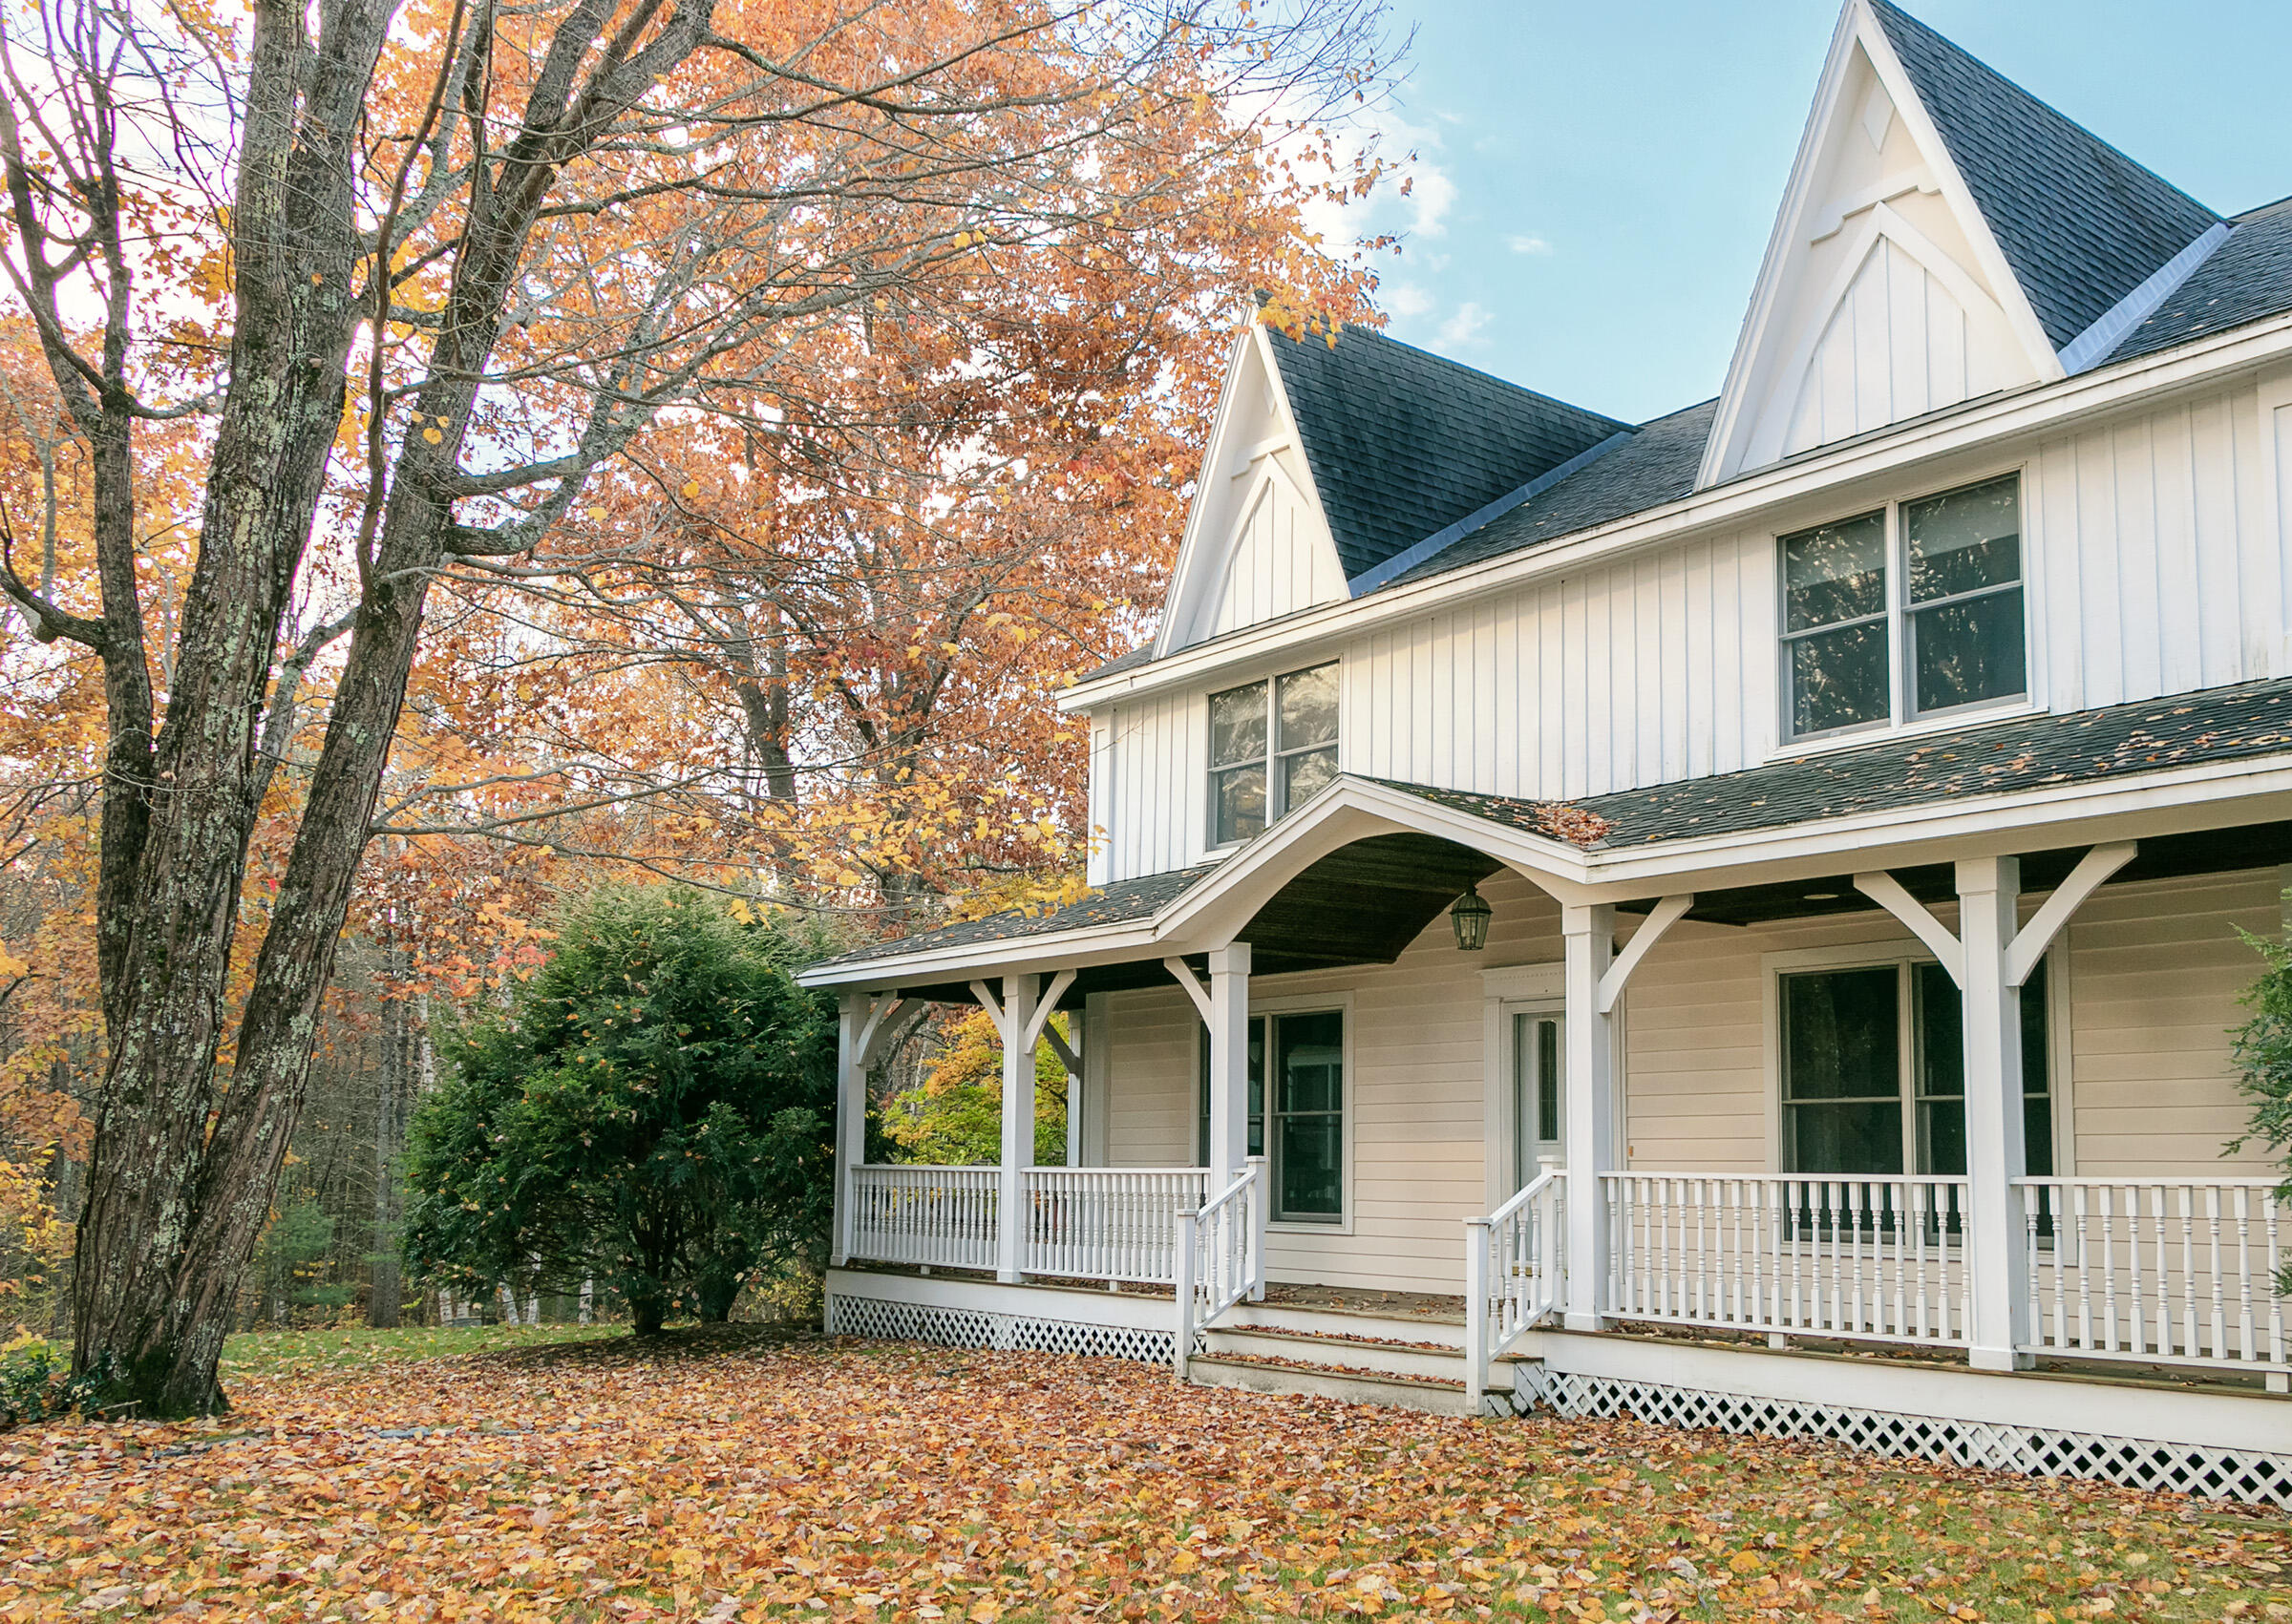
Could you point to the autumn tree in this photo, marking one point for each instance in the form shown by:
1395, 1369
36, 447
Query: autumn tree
418, 277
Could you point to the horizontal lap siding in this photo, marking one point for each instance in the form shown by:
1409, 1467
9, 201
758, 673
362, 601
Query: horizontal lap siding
2154, 973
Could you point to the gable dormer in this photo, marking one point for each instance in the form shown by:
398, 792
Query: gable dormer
1945, 236
1257, 546
1332, 467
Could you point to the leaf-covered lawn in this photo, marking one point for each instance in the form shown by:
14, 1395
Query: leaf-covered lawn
727, 1477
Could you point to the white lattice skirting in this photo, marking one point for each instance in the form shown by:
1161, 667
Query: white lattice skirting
977, 1328
2035, 1451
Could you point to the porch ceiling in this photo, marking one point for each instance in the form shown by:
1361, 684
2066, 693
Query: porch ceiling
1362, 904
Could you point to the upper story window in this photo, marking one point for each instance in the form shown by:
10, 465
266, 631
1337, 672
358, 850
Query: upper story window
1904, 612
1272, 745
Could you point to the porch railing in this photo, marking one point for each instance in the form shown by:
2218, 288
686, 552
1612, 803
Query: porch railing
1220, 1256
2163, 1270
1864, 1258
1108, 1223
1514, 1274
939, 1217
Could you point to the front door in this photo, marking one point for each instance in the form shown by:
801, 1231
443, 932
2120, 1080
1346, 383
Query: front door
1537, 1049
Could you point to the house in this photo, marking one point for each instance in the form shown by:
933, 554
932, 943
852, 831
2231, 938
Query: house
1734, 918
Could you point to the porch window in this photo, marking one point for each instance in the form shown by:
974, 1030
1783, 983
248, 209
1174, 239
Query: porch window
1303, 1138
1873, 1071
1273, 745
1910, 611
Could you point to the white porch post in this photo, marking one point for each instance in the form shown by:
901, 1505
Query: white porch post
1989, 891
1229, 1063
850, 1114
1019, 1033
1588, 1127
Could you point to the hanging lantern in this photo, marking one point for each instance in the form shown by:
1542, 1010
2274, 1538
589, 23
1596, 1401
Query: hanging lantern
1470, 916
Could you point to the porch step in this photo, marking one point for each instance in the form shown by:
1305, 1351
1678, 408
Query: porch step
1426, 1394
1355, 1355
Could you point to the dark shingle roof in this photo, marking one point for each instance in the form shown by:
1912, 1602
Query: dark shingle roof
2247, 278
1402, 442
2081, 223
1993, 758
1124, 902
1655, 466
1137, 656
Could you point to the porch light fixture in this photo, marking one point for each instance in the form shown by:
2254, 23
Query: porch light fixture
1822, 896
1470, 916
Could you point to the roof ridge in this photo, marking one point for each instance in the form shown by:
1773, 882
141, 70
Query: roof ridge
2043, 106
2081, 222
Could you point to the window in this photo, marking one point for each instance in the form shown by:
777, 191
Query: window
1850, 1038
1272, 745
1302, 1136
1951, 614
1535, 1091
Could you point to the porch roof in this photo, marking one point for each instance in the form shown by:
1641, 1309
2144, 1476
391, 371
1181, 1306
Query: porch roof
2001, 759
1993, 758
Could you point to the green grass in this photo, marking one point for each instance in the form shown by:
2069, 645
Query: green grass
355, 1347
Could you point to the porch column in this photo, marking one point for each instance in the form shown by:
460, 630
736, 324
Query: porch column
1019, 1035
1229, 1063
1587, 1130
851, 1113
1988, 891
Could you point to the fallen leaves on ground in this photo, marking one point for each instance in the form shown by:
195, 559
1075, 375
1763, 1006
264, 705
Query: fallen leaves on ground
727, 1477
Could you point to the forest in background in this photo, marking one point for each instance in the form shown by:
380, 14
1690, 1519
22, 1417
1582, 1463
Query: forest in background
793, 642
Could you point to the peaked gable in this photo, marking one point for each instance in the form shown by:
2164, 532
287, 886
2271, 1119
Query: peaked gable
1257, 545
1402, 443
2081, 223
1944, 234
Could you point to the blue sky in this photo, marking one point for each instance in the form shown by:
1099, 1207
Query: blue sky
1597, 182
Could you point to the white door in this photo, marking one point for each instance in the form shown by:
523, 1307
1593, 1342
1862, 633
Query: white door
1537, 1095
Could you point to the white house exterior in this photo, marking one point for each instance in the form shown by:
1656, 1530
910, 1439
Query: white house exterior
1867, 776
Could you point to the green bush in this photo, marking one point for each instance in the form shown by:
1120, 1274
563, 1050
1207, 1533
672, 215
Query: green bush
653, 1110
37, 1382
2263, 1053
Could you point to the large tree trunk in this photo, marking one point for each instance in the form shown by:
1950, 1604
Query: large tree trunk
181, 1183
174, 910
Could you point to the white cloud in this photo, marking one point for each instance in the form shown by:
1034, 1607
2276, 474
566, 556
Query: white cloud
1525, 245
1405, 300
1462, 331
1411, 151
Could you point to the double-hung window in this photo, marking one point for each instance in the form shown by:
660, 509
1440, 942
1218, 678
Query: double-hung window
1873, 1071
1272, 745
1301, 1128
1908, 611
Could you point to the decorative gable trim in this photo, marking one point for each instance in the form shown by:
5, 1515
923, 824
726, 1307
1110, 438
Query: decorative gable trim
1880, 224
2091, 347
1222, 504
1805, 217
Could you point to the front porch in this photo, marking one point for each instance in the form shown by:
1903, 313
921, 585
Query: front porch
1605, 1127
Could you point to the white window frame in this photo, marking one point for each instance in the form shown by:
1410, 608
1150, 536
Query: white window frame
1900, 719
1276, 807
1904, 952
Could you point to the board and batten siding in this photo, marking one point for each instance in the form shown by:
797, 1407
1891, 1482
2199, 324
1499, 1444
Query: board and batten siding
2155, 970
1281, 560
1897, 347
2158, 559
